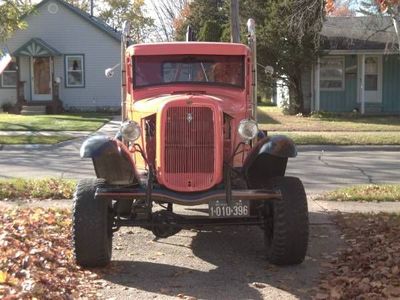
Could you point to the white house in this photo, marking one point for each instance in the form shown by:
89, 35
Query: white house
60, 58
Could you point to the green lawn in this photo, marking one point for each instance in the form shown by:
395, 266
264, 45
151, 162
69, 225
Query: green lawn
365, 192
330, 129
342, 138
76, 122
272, 119
33, 139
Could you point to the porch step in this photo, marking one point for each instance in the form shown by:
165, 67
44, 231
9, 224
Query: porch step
373, 108
33, 110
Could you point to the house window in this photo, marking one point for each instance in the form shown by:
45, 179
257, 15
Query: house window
9, 75
332, 73
371, 73
75, 71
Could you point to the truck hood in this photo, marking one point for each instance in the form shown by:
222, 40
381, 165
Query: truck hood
155, 104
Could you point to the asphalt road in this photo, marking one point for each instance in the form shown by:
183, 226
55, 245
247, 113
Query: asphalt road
323, 168
320, 168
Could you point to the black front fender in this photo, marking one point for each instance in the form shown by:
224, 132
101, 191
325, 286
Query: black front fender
268, 158
111, 159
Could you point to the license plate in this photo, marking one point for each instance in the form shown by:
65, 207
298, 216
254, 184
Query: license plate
235, 209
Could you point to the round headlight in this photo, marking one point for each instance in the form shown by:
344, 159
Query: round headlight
130, 130
248, 129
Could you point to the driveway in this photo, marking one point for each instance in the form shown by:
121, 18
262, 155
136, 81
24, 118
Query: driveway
226, 263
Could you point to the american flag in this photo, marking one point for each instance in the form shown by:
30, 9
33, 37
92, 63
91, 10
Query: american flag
5, 58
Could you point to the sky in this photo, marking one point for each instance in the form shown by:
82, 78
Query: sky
99, 3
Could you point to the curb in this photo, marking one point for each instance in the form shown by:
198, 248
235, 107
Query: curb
358, 207
17, 147
349, 148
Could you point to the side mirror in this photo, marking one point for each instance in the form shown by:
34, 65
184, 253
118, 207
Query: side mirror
269, 70
109, 72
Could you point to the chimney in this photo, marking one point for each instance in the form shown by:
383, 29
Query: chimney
91, 8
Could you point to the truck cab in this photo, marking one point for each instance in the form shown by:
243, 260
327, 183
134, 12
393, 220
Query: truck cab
188, 99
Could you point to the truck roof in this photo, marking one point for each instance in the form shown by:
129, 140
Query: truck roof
184, 48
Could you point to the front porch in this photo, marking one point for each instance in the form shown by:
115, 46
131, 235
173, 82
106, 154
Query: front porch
350, 81
37, 89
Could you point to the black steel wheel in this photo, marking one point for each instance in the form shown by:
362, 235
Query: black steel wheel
91, 225
286, 222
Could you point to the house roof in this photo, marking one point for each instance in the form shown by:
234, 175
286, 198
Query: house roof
100, 24
36, 47
359, 33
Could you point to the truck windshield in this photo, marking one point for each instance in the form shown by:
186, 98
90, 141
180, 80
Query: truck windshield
225, 70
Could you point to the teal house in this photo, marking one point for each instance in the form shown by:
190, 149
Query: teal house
358, 69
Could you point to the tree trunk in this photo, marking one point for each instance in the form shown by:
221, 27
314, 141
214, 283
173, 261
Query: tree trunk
298, 103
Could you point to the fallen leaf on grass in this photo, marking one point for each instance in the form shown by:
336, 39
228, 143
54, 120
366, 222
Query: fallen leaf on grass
36, 259
395, 270
321, 296
165, 291
259, 285
183, 296
391, 291
369, 267
3, 277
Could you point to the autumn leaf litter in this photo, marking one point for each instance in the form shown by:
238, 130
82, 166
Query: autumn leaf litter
369, 266
36, 259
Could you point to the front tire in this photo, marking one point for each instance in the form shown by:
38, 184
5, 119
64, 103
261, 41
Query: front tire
286, 222
92, 225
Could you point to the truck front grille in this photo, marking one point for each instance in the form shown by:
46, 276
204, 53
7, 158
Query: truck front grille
189, 148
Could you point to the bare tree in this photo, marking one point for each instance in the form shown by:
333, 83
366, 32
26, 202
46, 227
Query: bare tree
306, 17
387, 14
81, 4
167, 12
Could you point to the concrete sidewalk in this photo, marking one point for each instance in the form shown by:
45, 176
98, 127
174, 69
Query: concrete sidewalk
111, 127
354, 207
74, 134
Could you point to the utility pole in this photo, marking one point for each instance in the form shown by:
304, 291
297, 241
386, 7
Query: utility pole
235, 25
91, 8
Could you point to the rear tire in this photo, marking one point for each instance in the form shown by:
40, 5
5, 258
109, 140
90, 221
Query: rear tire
286, 222
92, 225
